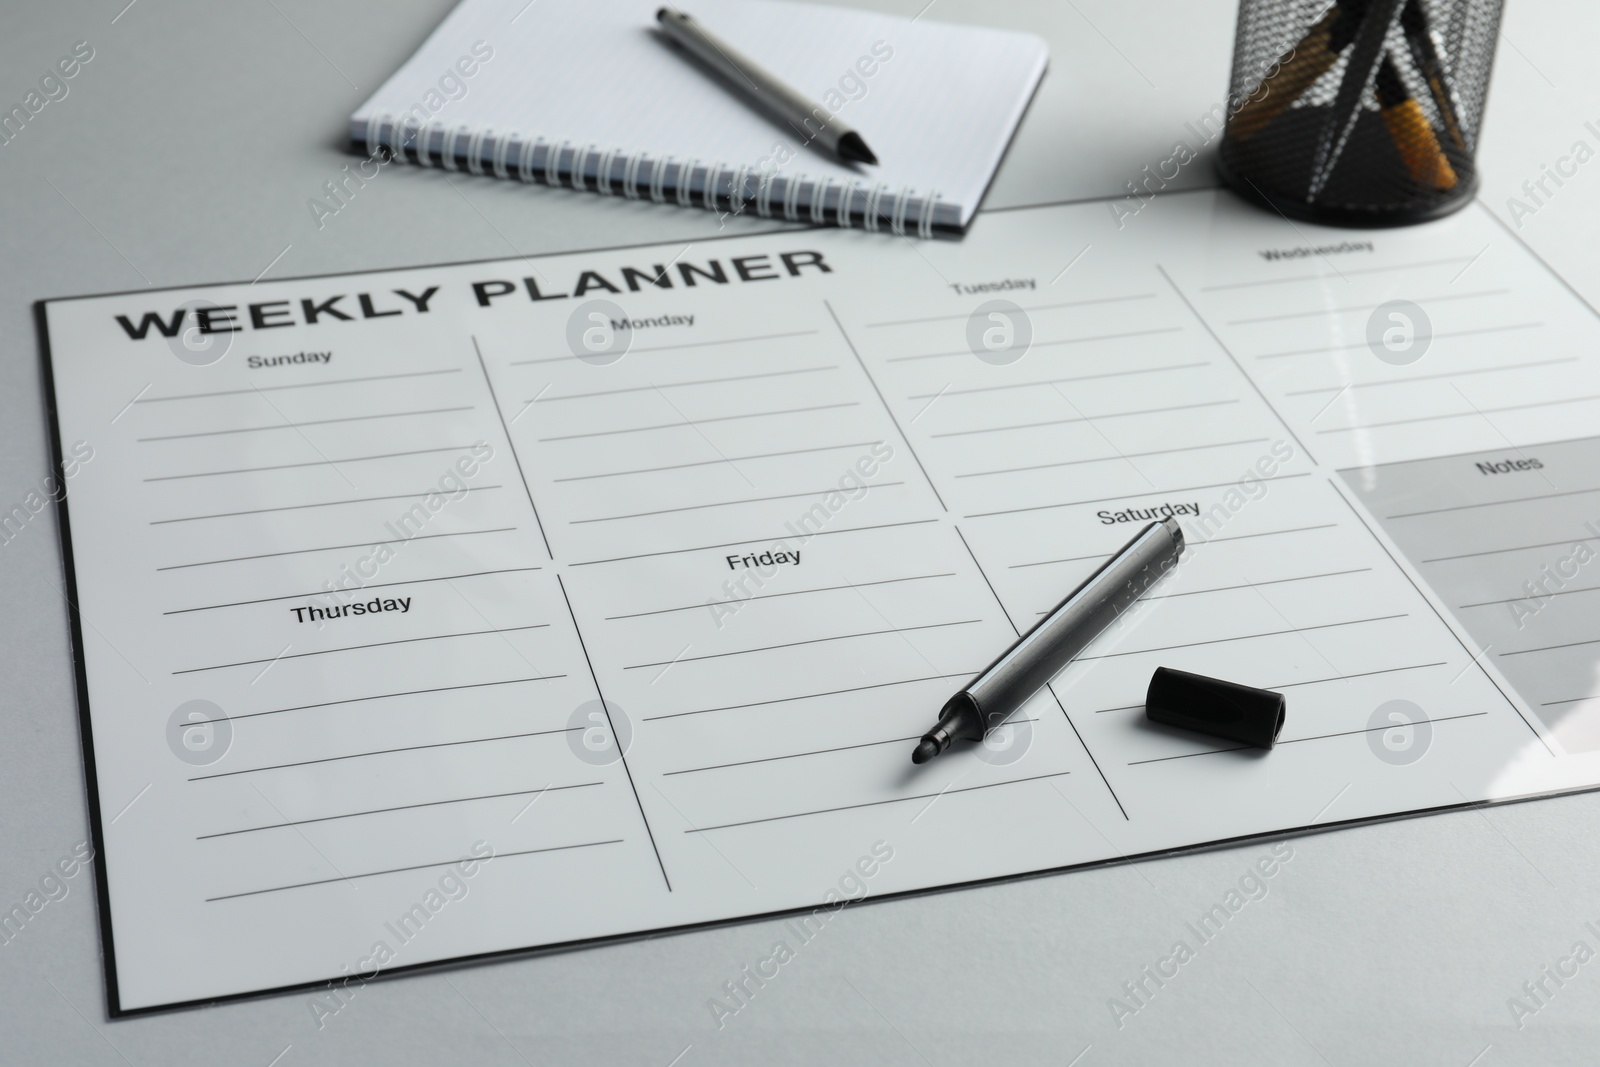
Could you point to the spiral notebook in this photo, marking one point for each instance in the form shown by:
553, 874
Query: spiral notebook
590, 96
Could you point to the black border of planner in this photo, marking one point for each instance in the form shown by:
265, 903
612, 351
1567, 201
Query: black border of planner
80, 667
114, 1007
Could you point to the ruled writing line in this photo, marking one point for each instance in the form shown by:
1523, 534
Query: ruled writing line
773, 596
811, 696
319, 504
729, 503
301, 385
311, 463
333, 548
718, 418
808, 641
875, 803
354, 648
298, 425
386, 752
397, 807
414, 867
369, 585
672, 348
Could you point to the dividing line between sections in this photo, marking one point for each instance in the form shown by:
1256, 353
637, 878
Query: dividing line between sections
622, 757
886, 409
1053, 695
1440, 616
1236, 364
506, 430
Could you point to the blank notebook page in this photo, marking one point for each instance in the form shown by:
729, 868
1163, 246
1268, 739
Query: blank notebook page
938, 107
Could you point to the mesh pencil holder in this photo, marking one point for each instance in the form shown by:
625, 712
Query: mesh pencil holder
1360, 112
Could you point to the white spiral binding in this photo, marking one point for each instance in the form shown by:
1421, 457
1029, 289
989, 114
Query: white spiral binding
712, 187
474, 147
925, 216
451, 140
658, 177
897, 214
791, 199
502, 148
630, 176
446, 135
874, 197
395, 143
685, 182
447, 158
420, 143
736, 194
602, 181
668, 179
578, 160
842, 215
375, 133
525, 158
444, 141
552, 161
819, 200
404, 137
764, 193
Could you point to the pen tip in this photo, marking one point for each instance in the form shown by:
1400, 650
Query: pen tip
926, 749
851, 146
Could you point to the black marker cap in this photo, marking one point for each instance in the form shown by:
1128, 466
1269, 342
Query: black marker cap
1212, 706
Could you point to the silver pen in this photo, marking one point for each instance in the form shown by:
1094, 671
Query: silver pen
1040, 654
808, 119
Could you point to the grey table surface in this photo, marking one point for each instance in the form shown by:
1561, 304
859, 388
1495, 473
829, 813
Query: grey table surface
186, 151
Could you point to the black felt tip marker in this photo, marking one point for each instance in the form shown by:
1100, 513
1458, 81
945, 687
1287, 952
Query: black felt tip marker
1025, 667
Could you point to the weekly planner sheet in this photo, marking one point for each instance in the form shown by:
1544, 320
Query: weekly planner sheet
443, 612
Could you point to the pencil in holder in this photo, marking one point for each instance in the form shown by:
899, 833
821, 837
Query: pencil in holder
1358, 112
